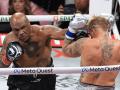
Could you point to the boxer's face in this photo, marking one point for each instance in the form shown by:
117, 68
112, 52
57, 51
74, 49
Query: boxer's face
60, 10
21, 29
81, 4
19, 5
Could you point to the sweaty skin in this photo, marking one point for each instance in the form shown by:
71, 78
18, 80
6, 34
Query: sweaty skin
97, 50
34, 39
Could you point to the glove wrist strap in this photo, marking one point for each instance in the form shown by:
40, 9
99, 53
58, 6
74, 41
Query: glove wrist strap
70, 34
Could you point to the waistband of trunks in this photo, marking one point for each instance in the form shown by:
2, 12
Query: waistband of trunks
82, 83
49, 65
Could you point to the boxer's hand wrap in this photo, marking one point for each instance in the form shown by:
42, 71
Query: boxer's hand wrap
14, 51
78, 22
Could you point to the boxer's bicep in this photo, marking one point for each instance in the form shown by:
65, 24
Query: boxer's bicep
54, 32
58, 35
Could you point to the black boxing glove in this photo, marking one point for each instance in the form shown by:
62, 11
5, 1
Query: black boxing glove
81, 34
14, 51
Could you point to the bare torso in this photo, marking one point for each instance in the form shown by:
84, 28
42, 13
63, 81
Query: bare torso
102, 52
37, 51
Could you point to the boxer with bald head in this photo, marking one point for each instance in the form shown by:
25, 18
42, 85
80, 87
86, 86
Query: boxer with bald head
29, 46
97, 50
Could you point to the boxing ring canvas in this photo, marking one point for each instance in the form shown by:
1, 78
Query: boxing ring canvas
64, 81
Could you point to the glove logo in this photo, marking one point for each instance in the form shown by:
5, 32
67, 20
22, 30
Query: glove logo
14, 50
11, 52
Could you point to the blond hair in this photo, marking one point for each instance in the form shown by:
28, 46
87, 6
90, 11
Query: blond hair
98, 21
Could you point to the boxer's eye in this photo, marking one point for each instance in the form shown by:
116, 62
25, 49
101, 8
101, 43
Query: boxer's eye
16, 29
22, 27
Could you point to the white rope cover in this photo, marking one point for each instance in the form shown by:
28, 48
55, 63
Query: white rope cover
33, 18
58, 70
6, 18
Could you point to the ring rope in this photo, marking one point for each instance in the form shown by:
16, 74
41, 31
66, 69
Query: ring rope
59, 70
6, 18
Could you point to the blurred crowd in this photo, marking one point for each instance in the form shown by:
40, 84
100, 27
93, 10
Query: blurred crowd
44, 7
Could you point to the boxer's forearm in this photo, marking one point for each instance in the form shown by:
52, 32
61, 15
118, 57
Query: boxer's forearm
3, 65
70, 48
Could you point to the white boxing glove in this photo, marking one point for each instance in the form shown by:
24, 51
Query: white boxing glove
78, 22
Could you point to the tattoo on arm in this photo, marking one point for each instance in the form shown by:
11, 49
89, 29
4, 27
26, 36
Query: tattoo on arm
51, 27
67, 41
73, 48
2, 53
54, 32
3, 47
3, 65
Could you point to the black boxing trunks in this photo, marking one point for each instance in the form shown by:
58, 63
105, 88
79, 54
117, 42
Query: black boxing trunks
85, 86
32, 82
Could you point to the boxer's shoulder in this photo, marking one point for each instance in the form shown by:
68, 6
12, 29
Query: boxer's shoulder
36, 28
10, 37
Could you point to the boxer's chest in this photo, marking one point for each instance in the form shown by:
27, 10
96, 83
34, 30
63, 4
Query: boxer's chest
33, 49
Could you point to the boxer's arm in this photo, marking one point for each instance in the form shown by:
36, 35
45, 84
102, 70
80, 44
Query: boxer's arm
73, 48
54, 32
4, 62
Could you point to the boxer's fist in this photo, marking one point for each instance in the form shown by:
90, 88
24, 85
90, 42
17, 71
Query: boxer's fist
14, 51
81, 34
79, 21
